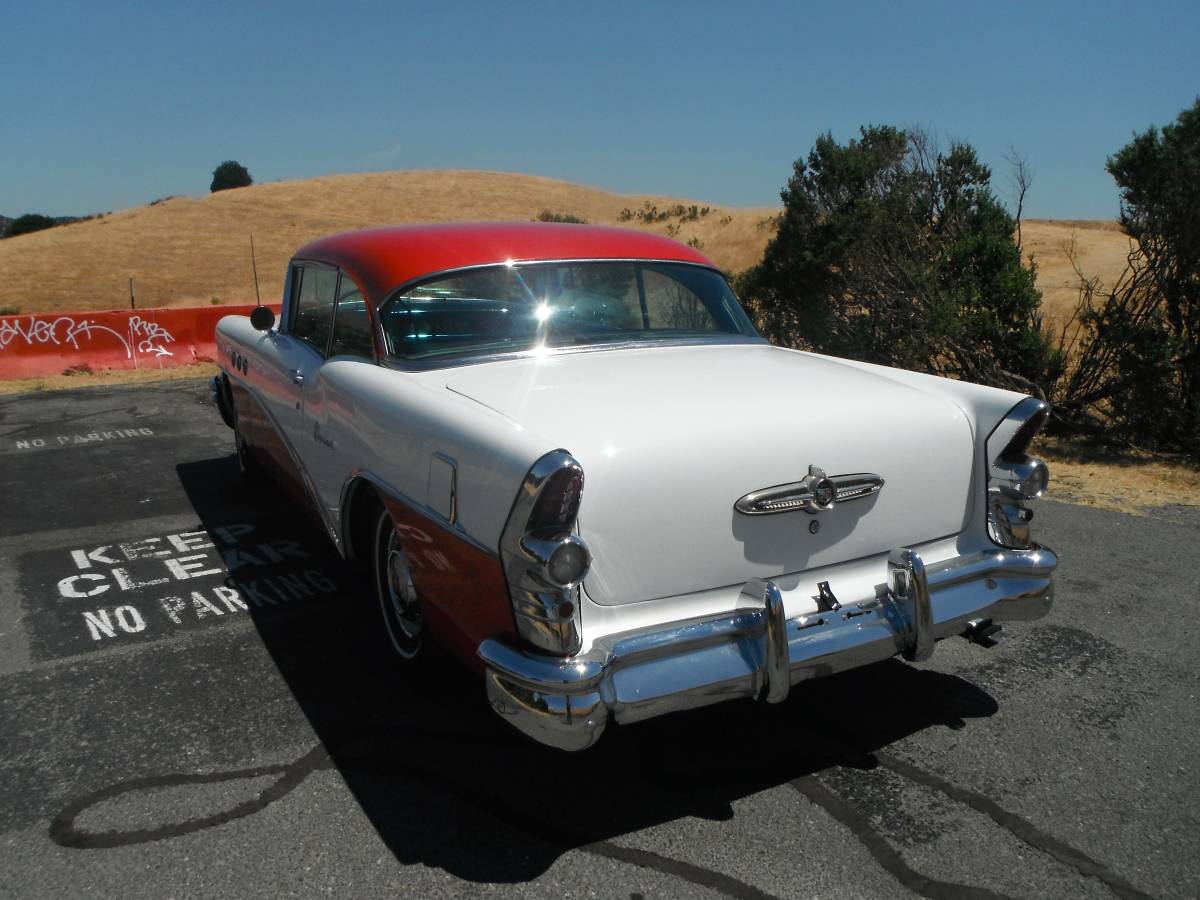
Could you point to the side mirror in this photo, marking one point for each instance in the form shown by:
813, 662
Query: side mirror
262, 318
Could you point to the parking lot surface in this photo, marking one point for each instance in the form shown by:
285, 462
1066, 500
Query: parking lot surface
193, 702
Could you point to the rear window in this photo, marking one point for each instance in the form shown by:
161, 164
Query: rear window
503, 309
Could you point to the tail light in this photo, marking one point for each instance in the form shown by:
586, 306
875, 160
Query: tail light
1014, 477
544, 560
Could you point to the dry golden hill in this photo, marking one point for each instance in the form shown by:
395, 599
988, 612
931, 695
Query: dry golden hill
196, 250
188, 251
1100, 249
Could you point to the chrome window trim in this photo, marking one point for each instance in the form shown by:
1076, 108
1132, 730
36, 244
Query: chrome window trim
393, 360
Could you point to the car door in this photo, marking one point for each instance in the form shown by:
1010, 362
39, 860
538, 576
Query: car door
294, 354
333, 445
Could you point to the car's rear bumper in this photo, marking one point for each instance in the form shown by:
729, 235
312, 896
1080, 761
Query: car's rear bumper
756, 651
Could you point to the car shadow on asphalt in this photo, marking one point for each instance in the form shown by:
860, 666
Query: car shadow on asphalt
446, 783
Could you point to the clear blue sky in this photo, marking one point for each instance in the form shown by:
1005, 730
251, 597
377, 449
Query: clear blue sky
107, 105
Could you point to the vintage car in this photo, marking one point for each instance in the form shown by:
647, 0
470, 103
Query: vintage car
564, 453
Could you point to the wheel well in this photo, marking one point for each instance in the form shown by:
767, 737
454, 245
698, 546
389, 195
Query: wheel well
363, 505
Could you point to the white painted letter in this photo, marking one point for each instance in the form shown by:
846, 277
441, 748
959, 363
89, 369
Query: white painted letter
172, 606
185, 567
85, 558
128, 584
190, 540
142, 549
204, 606
230, 597
129, 619
67, 587
229, 534
98, 623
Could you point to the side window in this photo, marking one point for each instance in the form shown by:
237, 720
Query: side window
313, 317
351, 323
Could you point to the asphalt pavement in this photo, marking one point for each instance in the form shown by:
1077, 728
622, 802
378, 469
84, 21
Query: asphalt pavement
193, 702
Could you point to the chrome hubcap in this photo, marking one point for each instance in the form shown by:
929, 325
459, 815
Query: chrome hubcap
402, 593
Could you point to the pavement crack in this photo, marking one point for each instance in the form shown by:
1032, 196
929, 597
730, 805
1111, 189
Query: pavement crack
885, 854
1020, 828
697, 875
65, 831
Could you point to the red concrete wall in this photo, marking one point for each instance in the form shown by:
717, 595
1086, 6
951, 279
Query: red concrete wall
47, 344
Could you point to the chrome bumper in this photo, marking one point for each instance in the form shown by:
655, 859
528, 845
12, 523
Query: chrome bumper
756, 651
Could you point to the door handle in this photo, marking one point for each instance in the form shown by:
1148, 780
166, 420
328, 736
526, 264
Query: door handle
297, 376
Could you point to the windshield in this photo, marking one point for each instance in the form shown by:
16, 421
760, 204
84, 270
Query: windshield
512, 308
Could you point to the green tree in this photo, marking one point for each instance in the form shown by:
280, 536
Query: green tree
893, 252
28, 223
230, 174
1158, 174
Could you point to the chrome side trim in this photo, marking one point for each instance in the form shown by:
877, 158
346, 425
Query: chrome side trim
755, 651
395, 493
817, 492
450, 467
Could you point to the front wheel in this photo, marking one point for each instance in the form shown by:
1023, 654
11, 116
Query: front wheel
399, 605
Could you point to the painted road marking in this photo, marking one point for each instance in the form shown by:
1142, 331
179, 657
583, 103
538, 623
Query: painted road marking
82, 598
91, 437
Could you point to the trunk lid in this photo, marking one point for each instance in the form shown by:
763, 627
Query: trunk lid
670, 438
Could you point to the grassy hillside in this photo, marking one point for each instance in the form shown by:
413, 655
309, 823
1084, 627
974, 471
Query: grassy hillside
187, 251
196, 250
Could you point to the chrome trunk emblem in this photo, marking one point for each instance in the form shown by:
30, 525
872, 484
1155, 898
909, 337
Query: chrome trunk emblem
815, 493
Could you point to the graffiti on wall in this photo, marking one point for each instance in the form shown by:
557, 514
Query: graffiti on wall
141, 336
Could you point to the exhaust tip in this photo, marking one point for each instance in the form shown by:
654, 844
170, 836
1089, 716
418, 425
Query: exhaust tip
983, 632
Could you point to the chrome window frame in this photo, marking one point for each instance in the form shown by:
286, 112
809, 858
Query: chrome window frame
343, 275
297, 285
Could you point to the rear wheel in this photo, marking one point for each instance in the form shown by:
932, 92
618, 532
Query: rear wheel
399, 605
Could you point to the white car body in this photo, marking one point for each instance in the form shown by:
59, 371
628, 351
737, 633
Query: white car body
687, 600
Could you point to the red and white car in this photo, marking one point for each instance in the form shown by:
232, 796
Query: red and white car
568, 458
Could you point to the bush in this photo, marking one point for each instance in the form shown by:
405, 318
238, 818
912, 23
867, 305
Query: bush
29, 223
893, 252
1135, 372
230, 174
547, 216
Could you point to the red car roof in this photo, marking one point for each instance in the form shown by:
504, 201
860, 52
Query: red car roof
381, 259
